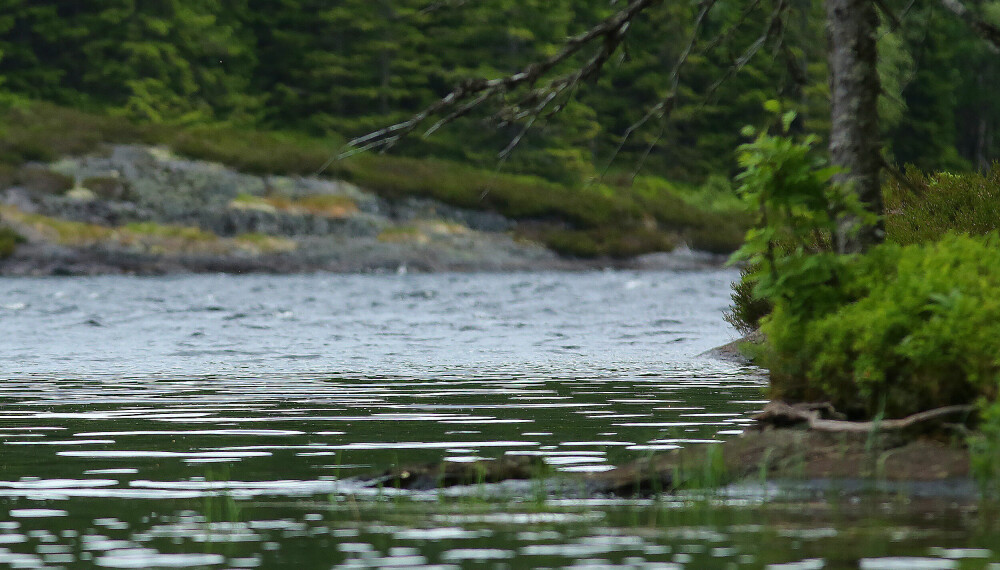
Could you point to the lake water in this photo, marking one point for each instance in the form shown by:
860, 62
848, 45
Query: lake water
219, 421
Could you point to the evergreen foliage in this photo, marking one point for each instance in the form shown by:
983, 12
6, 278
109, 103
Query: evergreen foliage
345, 68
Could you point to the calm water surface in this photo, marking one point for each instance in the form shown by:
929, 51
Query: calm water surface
218, 421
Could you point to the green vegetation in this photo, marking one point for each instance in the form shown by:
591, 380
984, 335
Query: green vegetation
906, 329
56, 230
587, 220
9, 240
338, 71
747, 309
985, 448
263, 243
277, 89
895, 331
320, 205
922, 208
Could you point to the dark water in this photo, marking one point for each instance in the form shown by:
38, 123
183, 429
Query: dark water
218, 421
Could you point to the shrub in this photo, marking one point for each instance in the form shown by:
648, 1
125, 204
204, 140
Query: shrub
747, 309
255, 152
896, 331
603, 242
788, 184
107, 187
925, 207
906, 329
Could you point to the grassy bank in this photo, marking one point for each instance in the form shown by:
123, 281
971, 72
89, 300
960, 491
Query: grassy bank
590, 220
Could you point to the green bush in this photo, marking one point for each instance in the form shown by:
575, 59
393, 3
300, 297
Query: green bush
923, 207
904, 329
747, 309
898, 330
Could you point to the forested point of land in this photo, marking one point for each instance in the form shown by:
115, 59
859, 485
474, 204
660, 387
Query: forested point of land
344, 68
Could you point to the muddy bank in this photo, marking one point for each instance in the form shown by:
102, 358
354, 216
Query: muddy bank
792, 454
141, 210
761, 454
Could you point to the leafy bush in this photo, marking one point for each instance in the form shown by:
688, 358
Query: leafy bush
923, 208
898, 330
789, 251
905, 329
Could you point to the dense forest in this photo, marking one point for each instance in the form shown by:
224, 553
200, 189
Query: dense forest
342, 68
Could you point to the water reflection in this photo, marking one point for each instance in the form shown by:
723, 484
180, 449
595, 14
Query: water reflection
111, 459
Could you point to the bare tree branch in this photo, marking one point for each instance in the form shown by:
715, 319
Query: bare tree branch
775, 24
665, 105
435, 6
547, 96
611, 30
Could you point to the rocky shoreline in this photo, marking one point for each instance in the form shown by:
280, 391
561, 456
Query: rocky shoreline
140, 210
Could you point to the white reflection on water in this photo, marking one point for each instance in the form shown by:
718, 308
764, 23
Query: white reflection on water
209, 403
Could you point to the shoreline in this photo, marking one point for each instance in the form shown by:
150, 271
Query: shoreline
782, 457
141, 210
360, 257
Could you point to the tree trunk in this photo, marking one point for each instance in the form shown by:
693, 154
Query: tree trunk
854, 90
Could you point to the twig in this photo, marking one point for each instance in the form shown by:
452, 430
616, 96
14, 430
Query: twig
612, 30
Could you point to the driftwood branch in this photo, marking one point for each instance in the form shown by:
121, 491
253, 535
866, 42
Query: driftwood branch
812, 415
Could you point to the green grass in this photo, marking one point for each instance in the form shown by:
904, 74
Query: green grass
588, 220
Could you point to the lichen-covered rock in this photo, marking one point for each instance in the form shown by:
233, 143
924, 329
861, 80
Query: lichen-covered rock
303, 223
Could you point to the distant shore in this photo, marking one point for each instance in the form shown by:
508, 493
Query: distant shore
37, 260
141, 210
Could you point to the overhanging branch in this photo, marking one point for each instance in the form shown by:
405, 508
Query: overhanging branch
984, 29
469, 94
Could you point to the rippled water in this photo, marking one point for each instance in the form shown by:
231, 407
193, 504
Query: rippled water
217, 421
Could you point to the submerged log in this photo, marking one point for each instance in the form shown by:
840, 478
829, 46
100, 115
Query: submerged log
428, 476
801, 441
